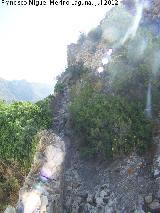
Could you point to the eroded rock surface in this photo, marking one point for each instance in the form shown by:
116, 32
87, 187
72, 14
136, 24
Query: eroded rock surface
94, 186
60, 181
42, 191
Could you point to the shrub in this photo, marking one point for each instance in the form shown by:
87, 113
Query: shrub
95, 34
77, 70
59, 87
19, 124
20, 121
109, 124
82, 38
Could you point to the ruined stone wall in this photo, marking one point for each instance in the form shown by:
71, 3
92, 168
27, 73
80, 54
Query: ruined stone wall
90, 53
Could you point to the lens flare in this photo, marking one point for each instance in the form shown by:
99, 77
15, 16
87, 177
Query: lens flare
44, 178
134, 27
148, 109
100, 69
31, 201
46, 172
109, 52
107, 56
38, 187
105, 61
55, 158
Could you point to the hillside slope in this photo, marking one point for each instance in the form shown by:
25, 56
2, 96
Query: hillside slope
21, 90
117, 61
128, 61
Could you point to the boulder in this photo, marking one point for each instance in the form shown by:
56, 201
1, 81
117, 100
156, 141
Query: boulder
83, 195
158, 194
148, 199
155, 206
44, 204
10, 209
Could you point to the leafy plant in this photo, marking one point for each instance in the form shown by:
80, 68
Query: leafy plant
77, 70
59, 87
20, 121
19, 124
82, 38
95, 34
108, 124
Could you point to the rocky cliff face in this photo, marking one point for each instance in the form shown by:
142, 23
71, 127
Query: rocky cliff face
61, 181
129, 184
92, 49
88, 53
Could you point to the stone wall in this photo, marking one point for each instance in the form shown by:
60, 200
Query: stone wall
90, 53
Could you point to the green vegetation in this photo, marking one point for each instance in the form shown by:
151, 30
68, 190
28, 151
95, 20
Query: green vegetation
77, 70
107, 124
82, 38
108, 109
95, 34
59, 87
19, 124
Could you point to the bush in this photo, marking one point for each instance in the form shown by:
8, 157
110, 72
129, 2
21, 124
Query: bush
19, 124
59, 87
95, 34
82, 38
109, 124
77, 70
20, 121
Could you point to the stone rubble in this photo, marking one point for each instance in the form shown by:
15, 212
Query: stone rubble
42, 190
79, 186
120, 186
128, 184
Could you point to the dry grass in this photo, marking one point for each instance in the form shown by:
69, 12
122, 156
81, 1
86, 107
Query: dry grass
11, 178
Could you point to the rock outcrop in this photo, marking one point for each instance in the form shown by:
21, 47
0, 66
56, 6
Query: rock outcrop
125, 185
43, 189
60, 181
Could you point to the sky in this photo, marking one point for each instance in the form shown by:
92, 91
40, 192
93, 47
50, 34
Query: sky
33, 40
